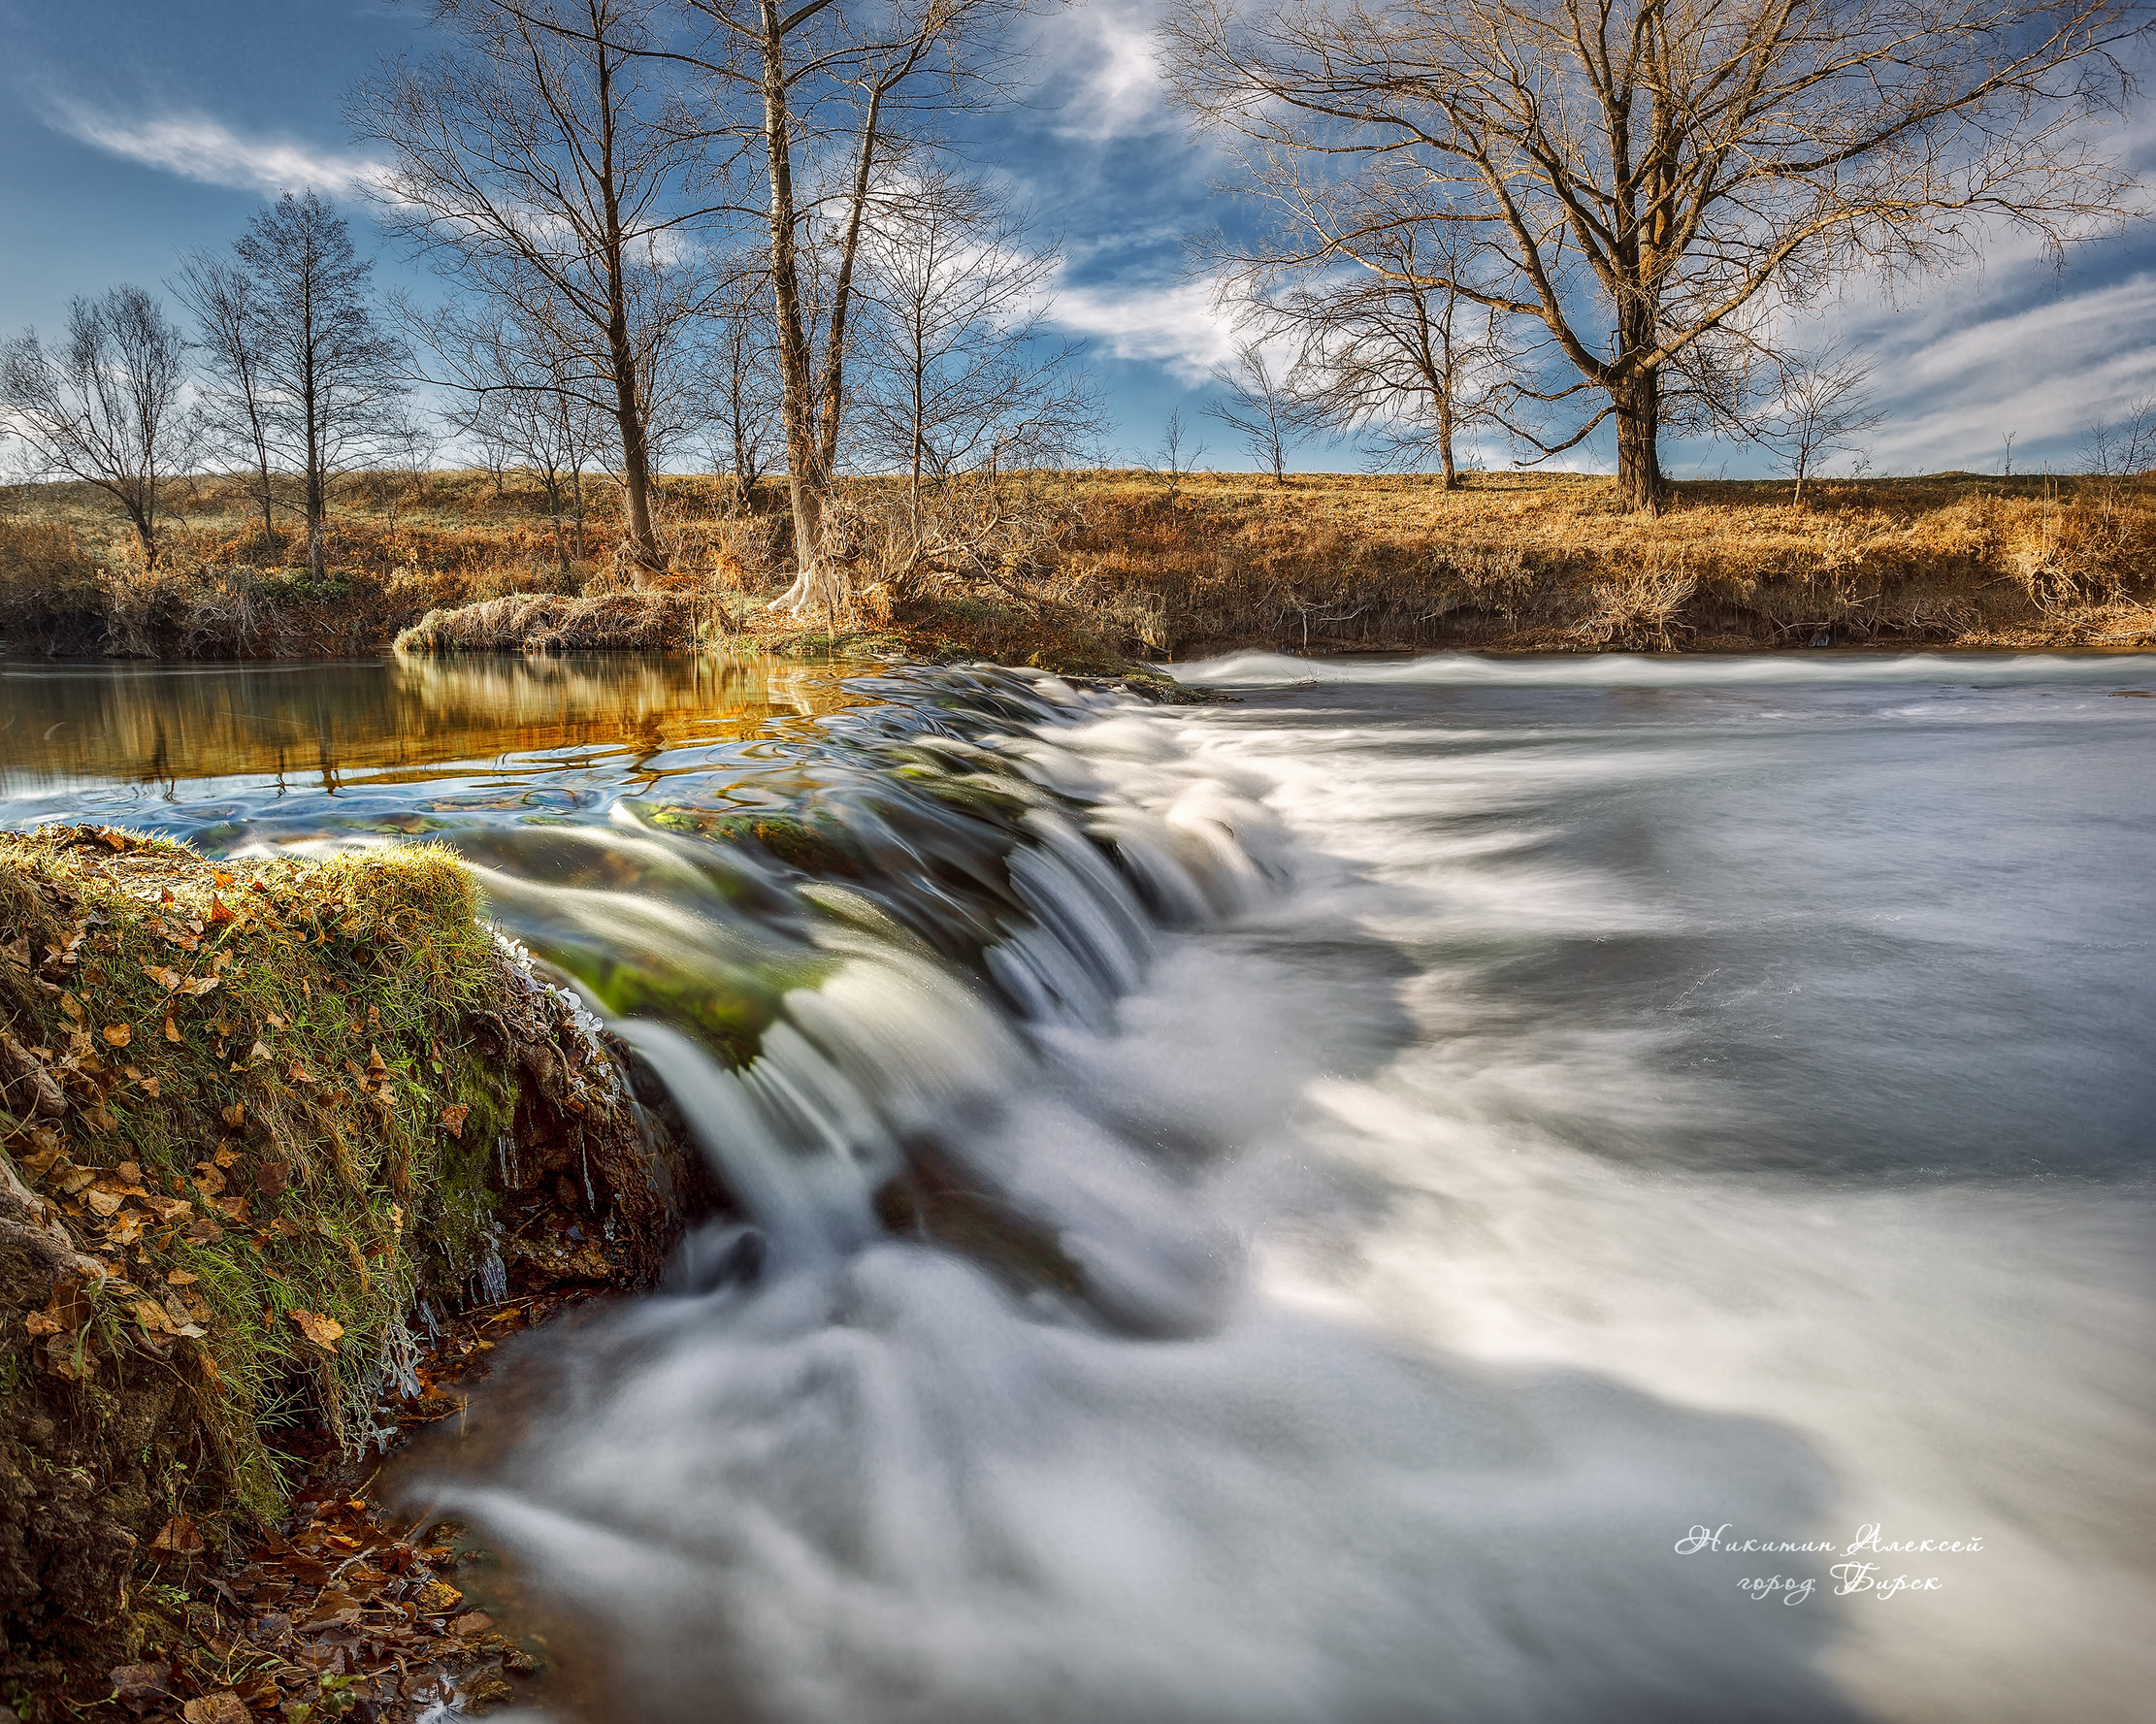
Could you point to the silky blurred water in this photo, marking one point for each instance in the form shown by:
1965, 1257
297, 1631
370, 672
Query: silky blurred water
1502, 1114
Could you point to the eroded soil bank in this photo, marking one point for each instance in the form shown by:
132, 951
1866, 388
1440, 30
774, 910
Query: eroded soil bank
285, 1148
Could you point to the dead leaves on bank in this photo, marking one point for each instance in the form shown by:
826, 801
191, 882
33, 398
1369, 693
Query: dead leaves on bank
338, 1614
323, 1331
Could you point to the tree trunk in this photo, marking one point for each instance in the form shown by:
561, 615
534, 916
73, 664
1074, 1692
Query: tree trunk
804, 481
833, 391
636, 455
1640, 487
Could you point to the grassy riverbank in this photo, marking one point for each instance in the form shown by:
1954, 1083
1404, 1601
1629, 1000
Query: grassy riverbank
1117, 567
251, 1116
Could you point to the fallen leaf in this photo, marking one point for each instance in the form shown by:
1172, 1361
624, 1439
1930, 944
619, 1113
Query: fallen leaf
437, 1598
151, 1317
163, 975
453, 1119
376, 1066
133, 1682
221, 878
171, 1209
119, 1034
73, 1180
126, 1229
322, 1330
298, 1074
44, 1154
129, 1173
222, 1708
275, 1022
224, 1155
260, 1051
18, 951
204, 1231
217, 911
178, 1536
72, 1006
209, 1178
235, 1116
182, 1278
67, 1361
471, 1623
149, 1085
272, 1178
101, 1120
105, 1203
198, 985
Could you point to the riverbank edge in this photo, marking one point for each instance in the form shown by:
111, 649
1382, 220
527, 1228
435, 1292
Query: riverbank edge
265, 1128
1096, 571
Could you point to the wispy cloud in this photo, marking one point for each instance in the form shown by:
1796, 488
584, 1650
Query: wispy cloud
1177, 327
199, 147
1098, 67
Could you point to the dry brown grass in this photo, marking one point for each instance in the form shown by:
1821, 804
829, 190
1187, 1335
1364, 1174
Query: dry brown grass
1120, 566
1516, 562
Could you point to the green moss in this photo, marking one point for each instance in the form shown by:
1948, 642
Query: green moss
279, 1047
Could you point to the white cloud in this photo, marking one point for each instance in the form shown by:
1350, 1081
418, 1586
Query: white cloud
198, 148
1101, 71
1177, 327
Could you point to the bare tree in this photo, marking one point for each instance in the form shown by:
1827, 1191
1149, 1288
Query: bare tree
955, 371
330, 380
1822, 408
1262, 408
1393, 351
105, 408
740, 373
1646, 170
227, 302
521, 398
536, 163
2122, 448
1178, 456
782, 81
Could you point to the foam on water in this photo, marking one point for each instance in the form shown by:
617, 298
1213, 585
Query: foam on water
1387, 1399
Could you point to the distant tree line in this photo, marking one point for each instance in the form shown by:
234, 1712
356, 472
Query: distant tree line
662, 230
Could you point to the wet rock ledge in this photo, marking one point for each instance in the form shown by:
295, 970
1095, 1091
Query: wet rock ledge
279, 1140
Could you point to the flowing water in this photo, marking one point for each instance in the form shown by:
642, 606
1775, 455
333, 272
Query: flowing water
1412, 1168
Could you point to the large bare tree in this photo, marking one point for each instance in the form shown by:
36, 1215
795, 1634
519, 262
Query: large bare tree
789, 82
105, 406
536, 162
332, 379
1651, 171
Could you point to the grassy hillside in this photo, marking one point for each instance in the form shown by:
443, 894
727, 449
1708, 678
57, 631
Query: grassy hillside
1107, 567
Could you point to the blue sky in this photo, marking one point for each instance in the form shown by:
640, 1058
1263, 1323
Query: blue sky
130, 131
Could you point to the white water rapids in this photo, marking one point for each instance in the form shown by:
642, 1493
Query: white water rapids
1548, 1122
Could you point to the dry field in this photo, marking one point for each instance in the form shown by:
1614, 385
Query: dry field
1111, 567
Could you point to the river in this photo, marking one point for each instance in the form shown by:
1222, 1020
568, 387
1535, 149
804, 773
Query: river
1458, 1149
